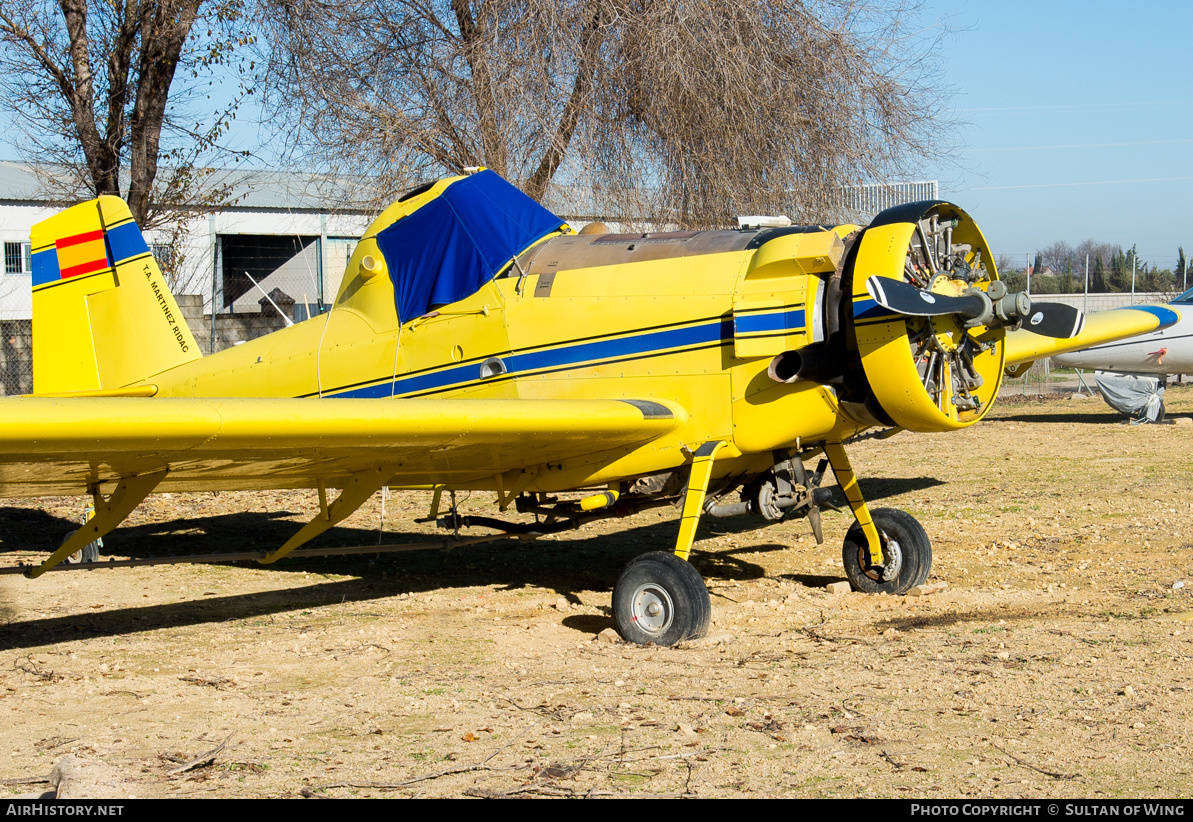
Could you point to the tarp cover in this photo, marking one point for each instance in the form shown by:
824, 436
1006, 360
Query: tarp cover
459, 241
1139, 395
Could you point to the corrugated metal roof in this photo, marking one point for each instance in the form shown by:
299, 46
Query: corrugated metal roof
249, 189
17, 183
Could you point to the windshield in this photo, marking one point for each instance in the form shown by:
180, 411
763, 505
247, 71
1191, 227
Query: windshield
1187, 297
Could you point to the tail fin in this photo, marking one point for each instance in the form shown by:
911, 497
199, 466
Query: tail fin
102, 315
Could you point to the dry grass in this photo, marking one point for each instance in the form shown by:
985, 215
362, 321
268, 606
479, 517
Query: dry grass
1055, 664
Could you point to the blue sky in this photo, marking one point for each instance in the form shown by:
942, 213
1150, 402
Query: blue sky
1062, 101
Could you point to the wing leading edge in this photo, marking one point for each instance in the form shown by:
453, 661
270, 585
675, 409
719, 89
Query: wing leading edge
68, 445
1022, 346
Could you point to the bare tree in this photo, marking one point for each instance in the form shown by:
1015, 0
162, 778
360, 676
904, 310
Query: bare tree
93, 83
687, 112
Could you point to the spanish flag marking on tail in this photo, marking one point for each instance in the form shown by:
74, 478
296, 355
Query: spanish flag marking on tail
87, 253
82, 254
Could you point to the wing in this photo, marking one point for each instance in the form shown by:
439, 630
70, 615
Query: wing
69, 445
1022, 346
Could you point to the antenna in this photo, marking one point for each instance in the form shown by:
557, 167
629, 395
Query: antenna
282, 313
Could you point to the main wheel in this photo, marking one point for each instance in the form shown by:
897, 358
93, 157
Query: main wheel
88, 553
660, 598
903, 562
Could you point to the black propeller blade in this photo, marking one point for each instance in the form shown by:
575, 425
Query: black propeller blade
993, 309
905, 298
1054, 320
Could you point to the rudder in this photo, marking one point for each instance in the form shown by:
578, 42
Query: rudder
103, 317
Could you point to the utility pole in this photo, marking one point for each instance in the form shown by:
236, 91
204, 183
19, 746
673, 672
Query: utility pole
216, 277
1086, 309
1134, 258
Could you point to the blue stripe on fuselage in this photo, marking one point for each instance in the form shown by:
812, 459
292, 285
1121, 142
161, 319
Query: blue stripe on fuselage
587, 353
790, 320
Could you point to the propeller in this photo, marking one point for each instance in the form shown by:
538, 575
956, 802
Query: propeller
1054, 320
991, 308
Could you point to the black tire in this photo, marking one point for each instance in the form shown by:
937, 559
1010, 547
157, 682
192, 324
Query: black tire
670, 587
88, 553
915, 553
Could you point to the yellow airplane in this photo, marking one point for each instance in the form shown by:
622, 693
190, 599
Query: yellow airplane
476, 343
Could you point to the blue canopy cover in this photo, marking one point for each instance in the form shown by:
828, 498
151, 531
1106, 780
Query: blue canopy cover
459, 241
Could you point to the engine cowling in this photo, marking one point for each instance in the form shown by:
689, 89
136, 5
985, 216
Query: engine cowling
926, 373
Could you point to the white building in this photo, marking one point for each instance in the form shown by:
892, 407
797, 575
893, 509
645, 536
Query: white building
279, 231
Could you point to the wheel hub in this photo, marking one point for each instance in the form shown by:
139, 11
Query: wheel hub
652, 609
892, 560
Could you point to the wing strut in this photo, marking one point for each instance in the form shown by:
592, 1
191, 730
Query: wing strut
356, 492
109, 513
693, 502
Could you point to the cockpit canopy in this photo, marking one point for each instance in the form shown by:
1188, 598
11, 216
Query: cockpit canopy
460, 240
1186, 298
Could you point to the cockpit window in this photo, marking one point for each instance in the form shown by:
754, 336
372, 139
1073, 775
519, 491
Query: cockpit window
1187, 297
460, 240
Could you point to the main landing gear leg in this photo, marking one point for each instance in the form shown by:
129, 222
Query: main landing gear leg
887, 553
659, 597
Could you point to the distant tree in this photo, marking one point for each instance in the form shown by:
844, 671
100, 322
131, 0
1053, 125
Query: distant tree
1095, 254
1097, 274
1181, 271
700, 110
102, 87
1015, 280
1156, 280
1058, 256
1110, 268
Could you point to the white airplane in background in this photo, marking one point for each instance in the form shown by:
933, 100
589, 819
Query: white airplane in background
1132, 373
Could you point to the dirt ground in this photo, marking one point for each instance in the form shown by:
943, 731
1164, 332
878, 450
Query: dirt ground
1055, 664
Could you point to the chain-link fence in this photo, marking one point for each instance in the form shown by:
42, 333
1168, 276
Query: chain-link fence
1045, 378
16, 357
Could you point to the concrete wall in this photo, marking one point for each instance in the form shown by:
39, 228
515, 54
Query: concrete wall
16, 339
230, 329
1104, 302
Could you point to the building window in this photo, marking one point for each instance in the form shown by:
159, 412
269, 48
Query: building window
164, 254
17, 258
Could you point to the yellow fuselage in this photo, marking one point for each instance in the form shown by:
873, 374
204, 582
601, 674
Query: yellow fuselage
638, 329
691, 318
